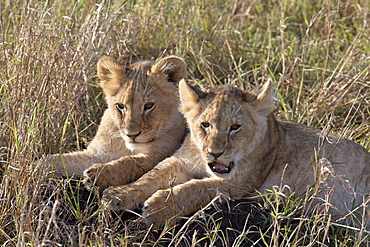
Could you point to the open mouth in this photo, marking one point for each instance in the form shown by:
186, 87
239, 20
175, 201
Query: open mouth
219, 167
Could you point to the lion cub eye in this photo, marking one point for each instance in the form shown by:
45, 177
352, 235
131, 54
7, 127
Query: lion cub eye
148, 106
205, 125
235, 127
120, 106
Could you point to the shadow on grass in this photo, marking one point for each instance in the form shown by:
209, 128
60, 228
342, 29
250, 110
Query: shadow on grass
224, 223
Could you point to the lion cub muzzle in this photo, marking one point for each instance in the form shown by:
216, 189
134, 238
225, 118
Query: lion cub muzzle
139, 137
219, 165
133, 136
215, 150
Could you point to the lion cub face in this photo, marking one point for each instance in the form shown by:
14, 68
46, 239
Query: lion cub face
140, 95
226, 124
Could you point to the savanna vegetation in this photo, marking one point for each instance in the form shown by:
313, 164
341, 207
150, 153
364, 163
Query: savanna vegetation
316, 52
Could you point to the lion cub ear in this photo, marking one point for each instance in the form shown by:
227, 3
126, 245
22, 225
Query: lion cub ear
174, 67
190, 100
265, 100
111, 74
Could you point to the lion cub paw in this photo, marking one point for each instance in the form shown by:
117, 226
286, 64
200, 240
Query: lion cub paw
122, 198
160, 210
97, 175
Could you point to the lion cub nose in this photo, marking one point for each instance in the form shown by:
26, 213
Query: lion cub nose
215, 154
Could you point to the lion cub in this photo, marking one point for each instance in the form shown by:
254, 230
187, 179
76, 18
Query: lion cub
235, 147
141, 126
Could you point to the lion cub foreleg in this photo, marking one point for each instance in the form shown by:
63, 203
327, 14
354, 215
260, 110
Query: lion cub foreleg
72, 163
168, 173
184, 199
120, 172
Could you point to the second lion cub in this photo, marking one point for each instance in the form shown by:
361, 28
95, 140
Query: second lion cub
235, 147
141, 126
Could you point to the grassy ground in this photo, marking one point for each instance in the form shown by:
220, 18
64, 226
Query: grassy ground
317, 52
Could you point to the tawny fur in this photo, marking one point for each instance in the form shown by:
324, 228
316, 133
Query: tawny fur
229, 125
141, 127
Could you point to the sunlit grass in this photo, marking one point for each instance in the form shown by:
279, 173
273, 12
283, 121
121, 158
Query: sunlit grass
316, 52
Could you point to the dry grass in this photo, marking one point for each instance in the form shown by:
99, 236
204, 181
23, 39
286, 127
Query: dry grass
317, 52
